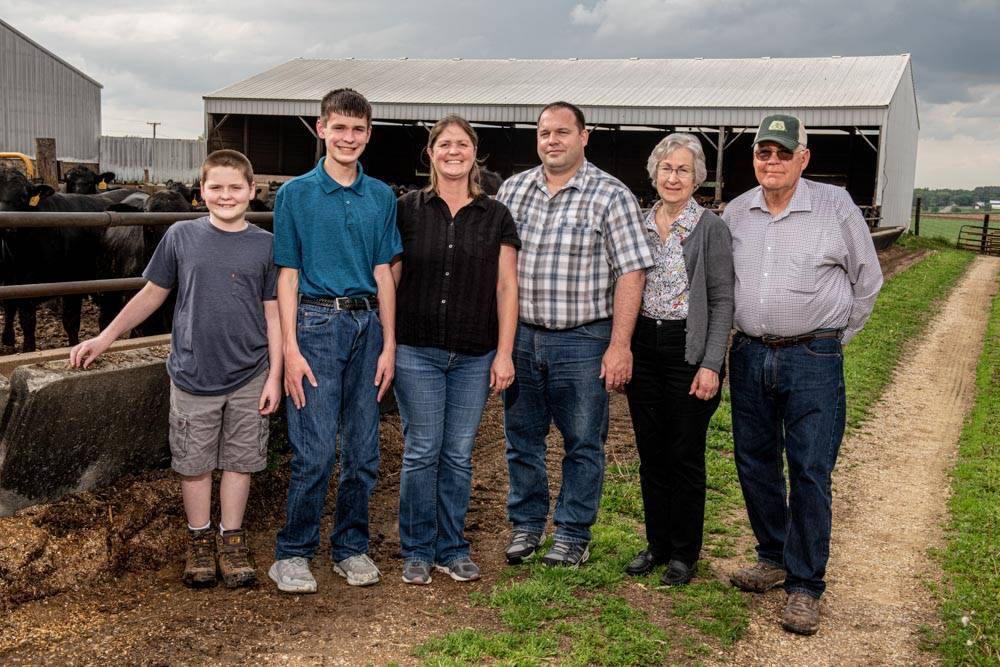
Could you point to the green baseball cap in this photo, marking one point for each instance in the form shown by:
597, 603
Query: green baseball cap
781, 129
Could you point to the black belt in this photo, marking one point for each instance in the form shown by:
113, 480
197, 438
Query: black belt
787, 341
343, 302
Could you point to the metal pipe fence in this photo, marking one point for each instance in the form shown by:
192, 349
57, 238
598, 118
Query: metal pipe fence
105, 219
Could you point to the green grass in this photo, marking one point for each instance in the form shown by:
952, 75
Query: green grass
970, 605
947, 228
582, 617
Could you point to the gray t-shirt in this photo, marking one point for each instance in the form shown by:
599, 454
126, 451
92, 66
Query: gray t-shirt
219, 339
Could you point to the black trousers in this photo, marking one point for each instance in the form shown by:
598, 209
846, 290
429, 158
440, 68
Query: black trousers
670, 428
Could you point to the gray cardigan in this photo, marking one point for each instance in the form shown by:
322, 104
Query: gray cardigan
708, 258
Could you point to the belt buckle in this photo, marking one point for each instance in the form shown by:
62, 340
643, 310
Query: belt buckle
771, 340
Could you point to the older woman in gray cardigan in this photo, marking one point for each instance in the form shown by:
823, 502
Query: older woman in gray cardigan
679, 350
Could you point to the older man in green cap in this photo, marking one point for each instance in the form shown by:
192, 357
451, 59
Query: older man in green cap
806, 281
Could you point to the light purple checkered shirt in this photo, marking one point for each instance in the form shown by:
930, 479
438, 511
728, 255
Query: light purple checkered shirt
813, 266
574, 244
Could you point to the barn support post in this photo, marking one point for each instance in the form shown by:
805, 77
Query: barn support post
246, 136
45, 159
720, 148
916, 218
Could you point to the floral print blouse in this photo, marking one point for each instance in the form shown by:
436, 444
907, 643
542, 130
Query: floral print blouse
666, 294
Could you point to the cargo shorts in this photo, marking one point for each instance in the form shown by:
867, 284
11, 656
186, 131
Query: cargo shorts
225, 432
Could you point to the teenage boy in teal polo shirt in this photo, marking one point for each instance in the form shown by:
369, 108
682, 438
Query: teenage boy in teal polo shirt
334, 236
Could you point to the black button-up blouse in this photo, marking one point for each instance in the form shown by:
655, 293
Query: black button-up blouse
447, 295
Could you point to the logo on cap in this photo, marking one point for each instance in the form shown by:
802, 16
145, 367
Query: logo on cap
777, 125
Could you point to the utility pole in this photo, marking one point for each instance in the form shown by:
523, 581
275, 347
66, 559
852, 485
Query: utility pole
152, 157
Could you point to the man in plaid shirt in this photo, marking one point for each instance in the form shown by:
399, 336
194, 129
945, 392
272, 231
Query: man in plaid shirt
581, 272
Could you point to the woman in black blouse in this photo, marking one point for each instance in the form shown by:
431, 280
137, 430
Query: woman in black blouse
455, 319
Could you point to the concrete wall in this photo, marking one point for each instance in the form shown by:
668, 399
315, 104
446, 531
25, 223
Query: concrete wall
65, 430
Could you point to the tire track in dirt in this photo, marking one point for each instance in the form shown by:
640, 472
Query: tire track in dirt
891, 487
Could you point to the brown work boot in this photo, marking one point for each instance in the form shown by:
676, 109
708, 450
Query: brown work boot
758, 578
235, 563
199, 567
801, 614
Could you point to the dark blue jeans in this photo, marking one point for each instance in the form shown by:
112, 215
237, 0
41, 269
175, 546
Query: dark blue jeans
441, 396
342, 348
557, 381
788, 403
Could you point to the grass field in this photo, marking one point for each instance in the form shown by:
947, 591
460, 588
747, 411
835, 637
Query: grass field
599, 616
947, 228
970, 605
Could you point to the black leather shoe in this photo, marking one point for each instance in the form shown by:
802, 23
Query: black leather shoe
643, 563
677, 574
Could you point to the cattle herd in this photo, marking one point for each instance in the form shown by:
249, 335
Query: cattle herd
66, 254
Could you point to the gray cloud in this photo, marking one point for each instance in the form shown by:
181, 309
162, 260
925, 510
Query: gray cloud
159, 61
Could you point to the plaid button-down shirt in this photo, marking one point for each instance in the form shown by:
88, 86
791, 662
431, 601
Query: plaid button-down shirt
574, 244
813, 266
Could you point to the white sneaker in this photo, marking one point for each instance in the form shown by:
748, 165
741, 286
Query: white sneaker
292, 575
359, 570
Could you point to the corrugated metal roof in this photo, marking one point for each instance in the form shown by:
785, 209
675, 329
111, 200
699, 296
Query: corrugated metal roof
868, 81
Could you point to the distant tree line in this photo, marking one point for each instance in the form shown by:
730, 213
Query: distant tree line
943, 198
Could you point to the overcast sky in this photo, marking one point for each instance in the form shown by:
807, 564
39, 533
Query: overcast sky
155, 64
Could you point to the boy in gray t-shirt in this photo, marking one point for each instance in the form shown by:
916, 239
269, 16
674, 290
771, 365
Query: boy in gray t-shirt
225, 361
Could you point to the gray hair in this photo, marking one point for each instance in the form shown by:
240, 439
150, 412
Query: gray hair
668, 145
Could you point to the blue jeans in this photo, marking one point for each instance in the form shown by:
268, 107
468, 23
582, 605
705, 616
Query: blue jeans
789, 402
342, 348
441, 396
557, 381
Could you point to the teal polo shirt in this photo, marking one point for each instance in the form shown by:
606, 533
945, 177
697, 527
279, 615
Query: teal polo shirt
335, 235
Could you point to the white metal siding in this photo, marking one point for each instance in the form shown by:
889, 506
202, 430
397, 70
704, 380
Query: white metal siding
41, 96
898, 155
176, 159
520, 113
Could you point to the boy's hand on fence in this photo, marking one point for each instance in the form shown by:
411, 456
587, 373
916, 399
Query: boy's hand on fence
269, 398
84, 354
296, 368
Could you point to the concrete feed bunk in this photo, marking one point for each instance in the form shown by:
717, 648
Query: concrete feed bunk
65, 430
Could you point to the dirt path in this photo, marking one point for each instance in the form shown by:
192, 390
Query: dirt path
891, 486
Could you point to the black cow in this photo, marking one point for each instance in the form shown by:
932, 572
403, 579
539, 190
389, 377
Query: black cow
490, 181
125, 252
44, 255
82, 181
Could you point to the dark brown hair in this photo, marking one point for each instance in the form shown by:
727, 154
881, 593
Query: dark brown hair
475, 189
581, 124
346, 101
228, 158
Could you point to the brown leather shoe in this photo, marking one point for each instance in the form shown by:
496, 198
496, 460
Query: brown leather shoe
235, 564
199, 564
758, 578
801, 614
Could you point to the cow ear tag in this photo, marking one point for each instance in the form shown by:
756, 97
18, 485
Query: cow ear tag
102, 185
194, 201
33, 202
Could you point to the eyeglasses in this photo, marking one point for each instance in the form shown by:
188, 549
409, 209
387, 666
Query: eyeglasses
764, 154
682, 173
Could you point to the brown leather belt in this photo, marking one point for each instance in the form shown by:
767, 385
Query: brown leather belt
343, 302
787, 341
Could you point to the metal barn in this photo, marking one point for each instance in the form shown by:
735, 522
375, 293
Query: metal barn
44, 96
861, 113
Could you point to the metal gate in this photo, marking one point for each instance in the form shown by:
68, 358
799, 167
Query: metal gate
980, 238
